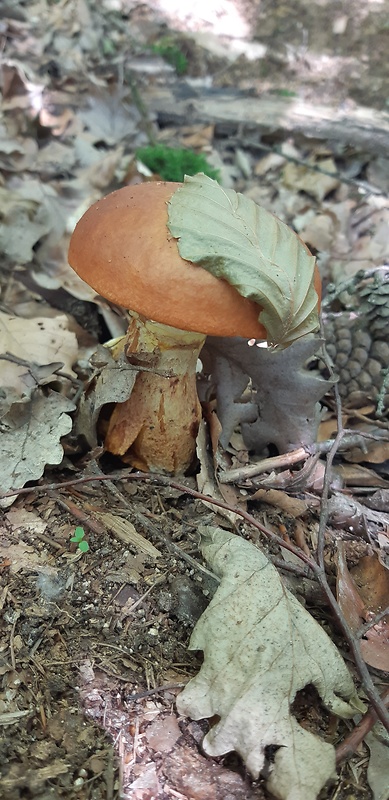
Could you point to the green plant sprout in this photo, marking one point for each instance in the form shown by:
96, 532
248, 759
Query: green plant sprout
79, 539
173, 163
171, 52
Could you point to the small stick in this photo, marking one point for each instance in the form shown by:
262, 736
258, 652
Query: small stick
353, 740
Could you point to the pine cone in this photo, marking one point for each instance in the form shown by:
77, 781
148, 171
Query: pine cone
356, 327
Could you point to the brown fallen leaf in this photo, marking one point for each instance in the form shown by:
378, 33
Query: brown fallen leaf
372, 580
375, 642
162, 734
198, 778
316, 184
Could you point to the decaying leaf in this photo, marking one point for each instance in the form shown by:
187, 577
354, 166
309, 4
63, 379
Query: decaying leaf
26, 217
282, 407
362, 594
108, 118
31, 439
378, 770
113, 383
32, 352
316, 184
250, 248
260, 648
43, 342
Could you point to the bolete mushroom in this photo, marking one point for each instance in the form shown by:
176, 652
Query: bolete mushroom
123, 248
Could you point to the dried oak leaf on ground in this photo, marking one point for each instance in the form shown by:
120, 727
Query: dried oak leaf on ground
33, 416
32, 351
260, 648
282, 406
31, 439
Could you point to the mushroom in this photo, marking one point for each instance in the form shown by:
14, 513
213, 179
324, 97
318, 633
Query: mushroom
122, 247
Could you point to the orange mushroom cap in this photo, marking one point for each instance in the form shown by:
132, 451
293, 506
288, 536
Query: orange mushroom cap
122, 247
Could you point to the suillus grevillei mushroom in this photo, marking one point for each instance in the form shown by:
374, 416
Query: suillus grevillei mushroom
122, 247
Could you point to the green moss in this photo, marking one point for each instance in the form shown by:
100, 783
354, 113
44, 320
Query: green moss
172, 163
170, 51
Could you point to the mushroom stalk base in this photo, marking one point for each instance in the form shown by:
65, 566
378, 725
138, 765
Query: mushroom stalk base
156, 428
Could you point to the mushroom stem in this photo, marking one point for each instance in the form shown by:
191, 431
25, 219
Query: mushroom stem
156, 428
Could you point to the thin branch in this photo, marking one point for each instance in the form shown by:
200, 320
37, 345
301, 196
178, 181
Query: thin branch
372, 622
327, 481
354, 739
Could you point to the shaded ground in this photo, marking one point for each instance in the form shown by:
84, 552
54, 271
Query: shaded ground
97, 641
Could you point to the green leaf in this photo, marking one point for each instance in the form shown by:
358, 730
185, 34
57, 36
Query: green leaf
237, 240
79, 534
83, 546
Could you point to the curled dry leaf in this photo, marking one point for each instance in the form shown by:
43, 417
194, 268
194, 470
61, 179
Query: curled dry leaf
112, 383
260, 648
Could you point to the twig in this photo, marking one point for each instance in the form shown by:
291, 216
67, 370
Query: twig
327, 480
174, 548
266, 465
11, 640
351, 742
348, 440
151, 692
372, 622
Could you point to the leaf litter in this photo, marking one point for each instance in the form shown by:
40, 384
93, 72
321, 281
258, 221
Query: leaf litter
67, 138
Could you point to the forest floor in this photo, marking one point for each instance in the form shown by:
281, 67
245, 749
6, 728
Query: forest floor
94, 642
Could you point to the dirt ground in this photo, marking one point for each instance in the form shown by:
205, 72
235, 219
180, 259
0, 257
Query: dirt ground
93, 645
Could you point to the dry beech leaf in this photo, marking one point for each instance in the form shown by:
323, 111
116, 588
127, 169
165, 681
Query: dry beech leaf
232, 237
316, 184
292, 506
356, 475
260, 648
